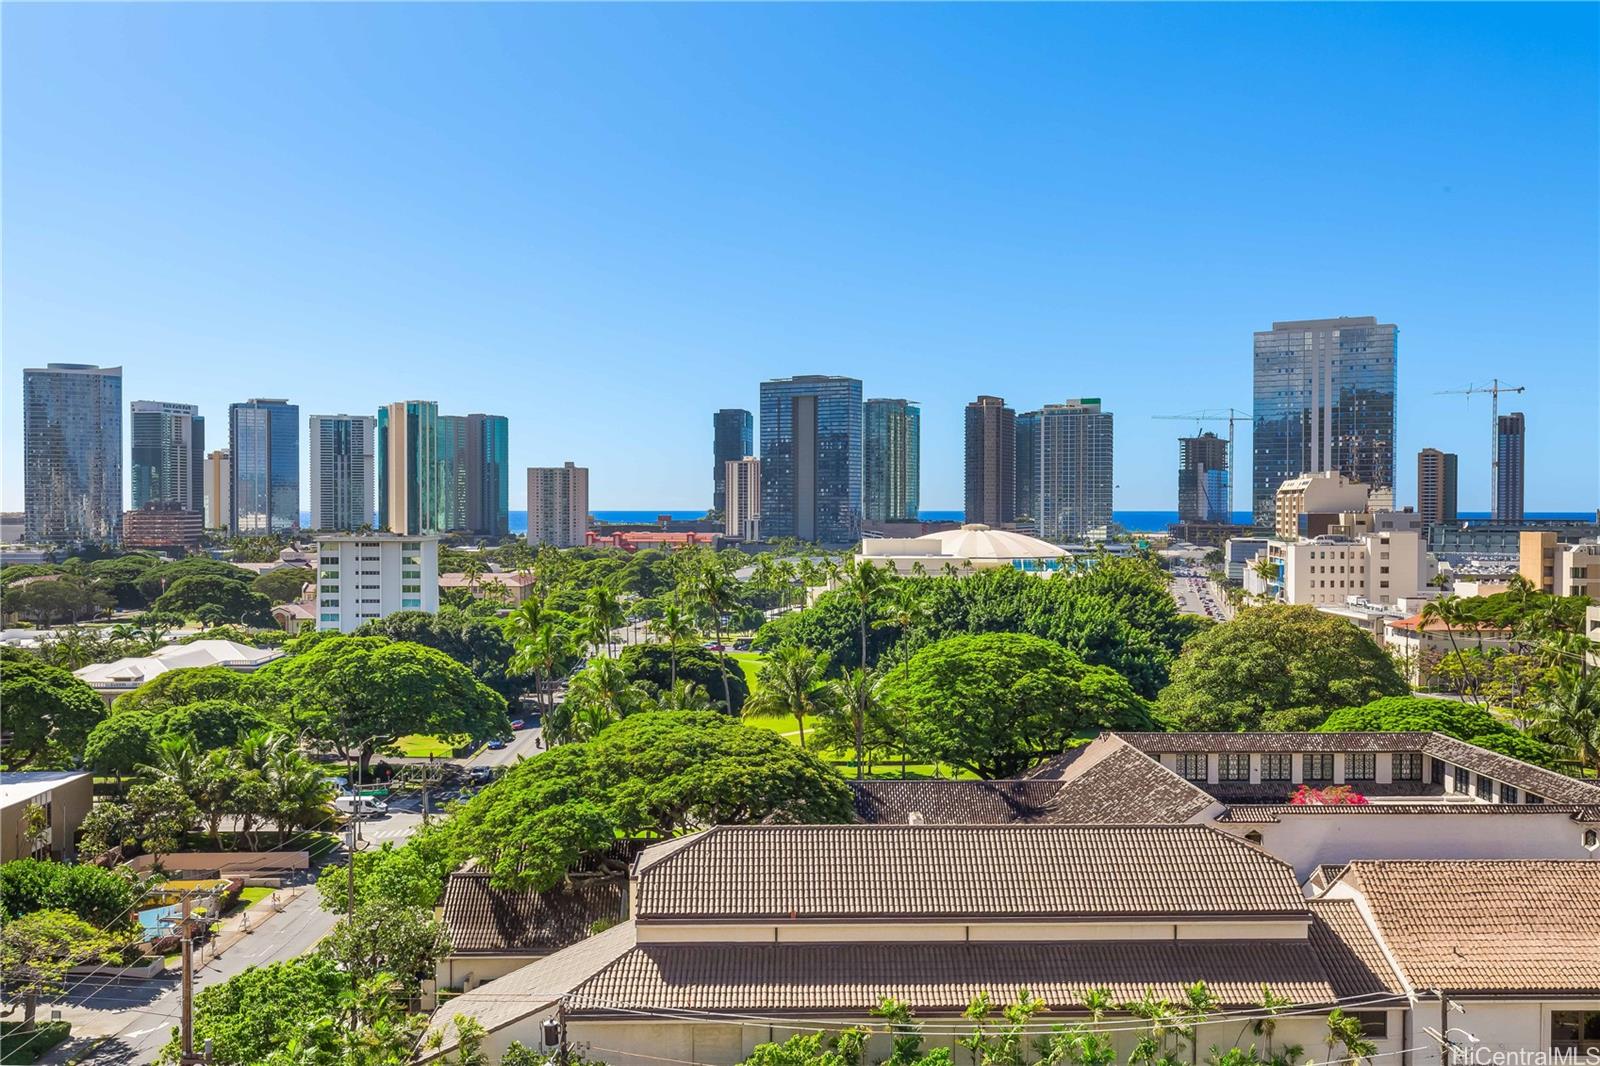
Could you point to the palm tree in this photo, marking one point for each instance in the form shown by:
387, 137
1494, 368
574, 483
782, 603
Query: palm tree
860, 691
602, 612
1570, 717
301, 798
1345, 1029
906, 610
674, 627
793, 683
867, 584
605, 685
524, 620
714, 588
1448, 610
473, 570
686, 696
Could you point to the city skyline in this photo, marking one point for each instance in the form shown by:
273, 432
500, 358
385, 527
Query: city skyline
985, 274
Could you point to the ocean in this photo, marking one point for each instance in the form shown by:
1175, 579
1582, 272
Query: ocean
1132, 521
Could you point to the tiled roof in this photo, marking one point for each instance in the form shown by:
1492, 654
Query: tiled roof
1261, 813
1470, 926
947, 802
529, 989
483, 919
1055, 767
1350, 953
1124, 786
1291, 742
943, 977
878, 872
1558, 788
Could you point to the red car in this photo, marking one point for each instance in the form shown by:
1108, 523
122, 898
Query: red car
517, 723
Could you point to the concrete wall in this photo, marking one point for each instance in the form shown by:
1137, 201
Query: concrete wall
463, 973
227, 862
1309, 840
1501, 1026
67, 801
988, 932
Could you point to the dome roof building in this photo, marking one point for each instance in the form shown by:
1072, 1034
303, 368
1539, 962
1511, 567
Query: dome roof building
971, 547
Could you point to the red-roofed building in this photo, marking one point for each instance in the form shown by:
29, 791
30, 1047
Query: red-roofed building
632, 541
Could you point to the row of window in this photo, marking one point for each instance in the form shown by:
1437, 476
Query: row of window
1315, 766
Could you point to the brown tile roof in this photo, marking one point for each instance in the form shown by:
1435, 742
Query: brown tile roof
1505, 926
1557, 788
482, 919
943, 977
1123, 786
1350, 953
877, 872
953, 802
1161, 743
1261, 813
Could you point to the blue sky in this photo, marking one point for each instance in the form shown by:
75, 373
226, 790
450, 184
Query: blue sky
607, 221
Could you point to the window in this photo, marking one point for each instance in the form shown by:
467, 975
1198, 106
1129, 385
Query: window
334, 617
411, 546
1591, 838
1361, 766
411, 603
415, 575
1485, 789
1192, 765
1374, 1023
1233, 766
1406, 766
1509, 794
1438, 772
1277, 766
411, 588
1534, 799
1318, 766
1575, 1030
330, 603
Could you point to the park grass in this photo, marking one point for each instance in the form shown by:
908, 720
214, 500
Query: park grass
420, 747
253, 895
749, 664
17, 1046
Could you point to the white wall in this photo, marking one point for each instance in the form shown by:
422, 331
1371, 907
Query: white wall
1501, 1026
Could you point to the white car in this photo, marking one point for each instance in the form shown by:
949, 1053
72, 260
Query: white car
358, 806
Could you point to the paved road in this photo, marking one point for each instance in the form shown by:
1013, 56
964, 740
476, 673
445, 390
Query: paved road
1192, 589
525, 743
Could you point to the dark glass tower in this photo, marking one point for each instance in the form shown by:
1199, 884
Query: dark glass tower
1508, 483
1203, 479
732, 438
1324, 401
72, 452
811, 458
488, 476
892, 460
1028, 465
264, 439
167, 449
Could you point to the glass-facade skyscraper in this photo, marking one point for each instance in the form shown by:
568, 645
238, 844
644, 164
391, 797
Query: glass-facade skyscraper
1027, 453
732, 438
891, 461
342, 472
991, 462
811, 458
409, 492
488, 476
72, 452
264, 442
454, 477
1509, 442
1075, 471
167, 452
1324, 401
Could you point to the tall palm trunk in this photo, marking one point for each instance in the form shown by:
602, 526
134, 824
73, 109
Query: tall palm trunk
722, 660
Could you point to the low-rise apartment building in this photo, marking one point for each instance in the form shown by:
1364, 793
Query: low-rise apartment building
40, 812
1380, 568
370, 575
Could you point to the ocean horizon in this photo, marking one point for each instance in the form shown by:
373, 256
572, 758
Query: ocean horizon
1132, 521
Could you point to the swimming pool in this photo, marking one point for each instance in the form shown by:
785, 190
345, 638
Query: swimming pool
151, 925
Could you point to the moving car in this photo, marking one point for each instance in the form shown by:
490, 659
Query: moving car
496, 744
518, 723
359, 806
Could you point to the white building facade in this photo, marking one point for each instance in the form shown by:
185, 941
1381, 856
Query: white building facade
741, 515
362, 577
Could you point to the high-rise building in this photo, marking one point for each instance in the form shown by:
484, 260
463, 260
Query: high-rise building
264, 454
891, 460
454, 475
1203, 479
365, 576
558, 505
811, 458
991, 482
1509, 446
1324, 401
1027, 452
408, 481
488, 476
342, 472
741, 516
168, 441
1436, 486
1075, 477
219, 489
72, 452
732, 438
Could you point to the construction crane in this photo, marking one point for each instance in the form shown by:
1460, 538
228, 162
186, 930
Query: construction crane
1230, 416
1494, 389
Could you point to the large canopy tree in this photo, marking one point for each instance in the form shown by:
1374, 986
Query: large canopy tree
215, 599
48, 712
355, 692
653, 663
996, 703
178, 688
1453, 718
1274, 660
475, 643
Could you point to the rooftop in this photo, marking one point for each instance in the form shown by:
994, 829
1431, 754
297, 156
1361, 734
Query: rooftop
136, 670
482, 919
20, 786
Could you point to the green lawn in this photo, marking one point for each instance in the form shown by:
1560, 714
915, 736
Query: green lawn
750, 663
420, 747
253, 895
19, 1047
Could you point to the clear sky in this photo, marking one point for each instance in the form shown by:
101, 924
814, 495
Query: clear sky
607, 221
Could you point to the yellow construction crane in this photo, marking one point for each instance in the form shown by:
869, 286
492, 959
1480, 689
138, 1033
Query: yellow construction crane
1494, 389
1230, 416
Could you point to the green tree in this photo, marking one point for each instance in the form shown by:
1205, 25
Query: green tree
37, 950
103, 898
158, 579
387, 936
1464, 721
793, 684
712, 587
653, 664
854, 716
602, 613
208, 723
118, 745
47, 710
352, 692
1569, 718
478, 644
180, 688
675, 628
119, 578
1345, 1031
602, 693
253, 1013
51, 601
283, 585
161, 814
218, 599
1230, 677
997, 703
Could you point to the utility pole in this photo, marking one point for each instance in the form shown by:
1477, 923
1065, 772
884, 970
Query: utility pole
350, 845
1494, 389
186, 1017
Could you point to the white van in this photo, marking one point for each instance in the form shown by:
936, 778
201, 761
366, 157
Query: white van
358, 806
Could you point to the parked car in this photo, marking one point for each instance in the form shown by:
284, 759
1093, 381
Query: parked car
480, 775
359, 806
496, 744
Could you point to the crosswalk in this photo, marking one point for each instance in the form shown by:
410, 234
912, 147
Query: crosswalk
386, 834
